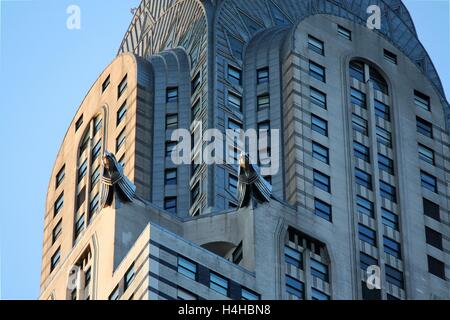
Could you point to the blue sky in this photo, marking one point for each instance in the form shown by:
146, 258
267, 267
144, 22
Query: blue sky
46, 71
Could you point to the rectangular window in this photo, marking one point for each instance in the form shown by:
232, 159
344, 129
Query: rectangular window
428, 181
56, 231
317, 71
235, 101
319, 270
187, 268
249, 295
316, 45
122, 87
81, 198
106, 83
234, 75
171, 177
170, 146
389, 219
422, 101
319, 125
436, 267
171, 121
196, 82
318, 98
120, 141
382, 111
357, 71
87, 277
185, 295
172, 95
361, 151
389, 56
121, 113
364, 206
234, 125
263, 75
318, 295
82, 170
295, 287
129, 276
392, 247
424, 127
431, 209
114, 294
237, 254
58, 204
367, 235
426, 154
94, 205
232, 184
96, 151
320, 153
434, 238
195, 192
366, 261
170, 204
385, 164
60, 176
384, 137
263, 102
322, 209
322, 181
218, 283
387, 191
195, 109
55, 259
364, 179
344, 32
360, 125
293, 257
79, 226
395, 277
79, 123
358, 98
98, 122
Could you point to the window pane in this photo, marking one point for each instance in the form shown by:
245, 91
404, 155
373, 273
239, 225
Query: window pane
367, 235
361, 151
320, 152
319, 125
363, 179
316, 45
365, 206
358, 98
322, 209
316, 71
318, 98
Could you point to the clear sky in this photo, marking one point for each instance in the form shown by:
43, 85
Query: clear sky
46, 70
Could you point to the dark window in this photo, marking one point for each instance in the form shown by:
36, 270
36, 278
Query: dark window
359, 124
232, 184
387, 191
106, 83
114, 294
322, 181
187, 268
382, 111
320, 153
96, 151
60, 177
195, 109
367, 294
393, 276
318, 98
87, 277
170, 204
235, 101
249, 295
195, 192
171, 95
365, 206
366, 261
422, 101
431, 209
384, 137
171, 177
234, 125
361, 151
379, 84
436, 267
367, 235
293, 257
295, 287
319, 270
426, 154
120, 141
385, 164
363, 179
57, 231
263, 75
357, 71
79, 226
218, 283
170, 146
235, 75
317, 71
183, 294
58, 204
322, 209
55, 259
84, 143
196, 83
389, 56
345, 33
82, 170
434, 238
358, 98
392, 247
318, 295
121, 113
389, 219
81, 198
424, 127
122, 87
79, 123
98, 122
237, 254
263, 101
428, 181
129, 276
316, 45
94, 205
172, 121
319, 125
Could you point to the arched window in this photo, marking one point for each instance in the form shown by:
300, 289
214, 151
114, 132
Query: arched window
359, 72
